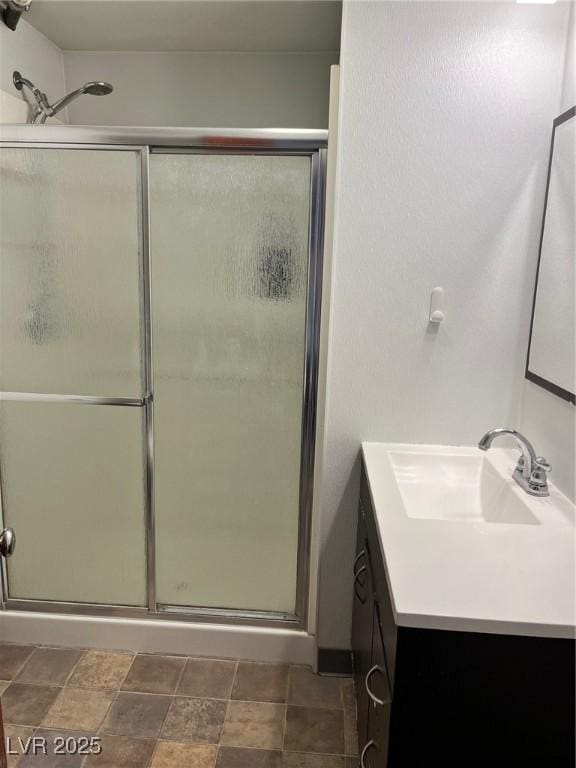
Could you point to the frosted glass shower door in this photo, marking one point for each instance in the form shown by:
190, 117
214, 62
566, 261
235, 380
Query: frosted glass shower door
73, 490
71, 380
230, 251
69, 271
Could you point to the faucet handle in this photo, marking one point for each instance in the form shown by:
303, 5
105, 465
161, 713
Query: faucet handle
539, 475
542, 464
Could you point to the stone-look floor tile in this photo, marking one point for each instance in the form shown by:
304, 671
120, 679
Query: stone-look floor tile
12, 658
311, 729
49, 666
350, 733
54, 758
137, 714
78, 710
103, 670
261, 682
309, 690
3, 685
27, 704
154, 674
233, 757
121, 752
17, 741
171, 754
207, 679
299, 760
348, 693
352, 762
197, 720
259, 726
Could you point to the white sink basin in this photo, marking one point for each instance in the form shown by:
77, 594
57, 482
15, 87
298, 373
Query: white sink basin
458, 484
465, 547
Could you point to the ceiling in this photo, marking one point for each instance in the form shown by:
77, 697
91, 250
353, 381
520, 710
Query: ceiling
199, 25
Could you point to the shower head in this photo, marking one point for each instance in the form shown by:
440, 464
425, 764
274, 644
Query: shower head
97, 89
45, 110
92, 89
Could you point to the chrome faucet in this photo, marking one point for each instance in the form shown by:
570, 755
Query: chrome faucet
531, 471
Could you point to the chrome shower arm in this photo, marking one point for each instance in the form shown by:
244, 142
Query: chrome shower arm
42, 104
65, 100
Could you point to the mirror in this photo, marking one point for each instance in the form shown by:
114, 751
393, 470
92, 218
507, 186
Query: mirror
550, 362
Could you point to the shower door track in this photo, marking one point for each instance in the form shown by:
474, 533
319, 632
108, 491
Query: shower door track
269, 141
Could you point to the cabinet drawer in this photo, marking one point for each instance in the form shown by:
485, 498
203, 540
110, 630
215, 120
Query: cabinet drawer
362, 626
363, 583
380, 584
375, 753
377, 686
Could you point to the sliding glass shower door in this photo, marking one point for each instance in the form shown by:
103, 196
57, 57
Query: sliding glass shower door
70, 347
159, 313
229, 239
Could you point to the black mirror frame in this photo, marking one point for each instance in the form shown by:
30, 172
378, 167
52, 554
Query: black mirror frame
530, 375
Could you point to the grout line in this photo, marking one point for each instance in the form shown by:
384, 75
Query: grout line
186, 696
234, 679
82, 654
152, 754
163, 723
113, 700
180, 676
168, 708
288, 689
228, 705
284, 726
21, 667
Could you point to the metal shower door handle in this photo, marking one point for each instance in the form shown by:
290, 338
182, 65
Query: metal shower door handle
7, 542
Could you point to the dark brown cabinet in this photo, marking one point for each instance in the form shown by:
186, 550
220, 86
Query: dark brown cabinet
428, 698
362, 624
371, 673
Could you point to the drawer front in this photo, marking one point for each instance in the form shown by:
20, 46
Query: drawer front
387, 623
375, 754
362, 626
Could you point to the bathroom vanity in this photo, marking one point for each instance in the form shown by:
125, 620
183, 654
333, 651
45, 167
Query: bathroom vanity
464, 613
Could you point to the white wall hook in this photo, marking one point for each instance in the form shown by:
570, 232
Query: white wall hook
436, 304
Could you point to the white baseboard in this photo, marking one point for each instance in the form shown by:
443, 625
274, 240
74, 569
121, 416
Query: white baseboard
169, 637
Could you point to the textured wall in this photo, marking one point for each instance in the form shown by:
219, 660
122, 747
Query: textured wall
444, 125
549, 421
204, 89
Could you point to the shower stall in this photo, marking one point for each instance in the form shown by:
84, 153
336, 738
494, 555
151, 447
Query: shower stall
159, 322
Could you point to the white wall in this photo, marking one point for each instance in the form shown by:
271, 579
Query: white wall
549, 421
36, 58
445, 112
223, 89
203, 89
331, 163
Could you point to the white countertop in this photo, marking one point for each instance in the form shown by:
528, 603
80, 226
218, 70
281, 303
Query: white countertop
475, 575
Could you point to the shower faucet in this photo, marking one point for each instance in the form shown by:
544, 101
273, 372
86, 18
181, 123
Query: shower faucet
531, 471
44, 109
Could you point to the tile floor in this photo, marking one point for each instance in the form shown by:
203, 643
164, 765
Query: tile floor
152, 711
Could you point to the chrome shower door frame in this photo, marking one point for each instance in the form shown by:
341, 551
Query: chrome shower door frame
206, 141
